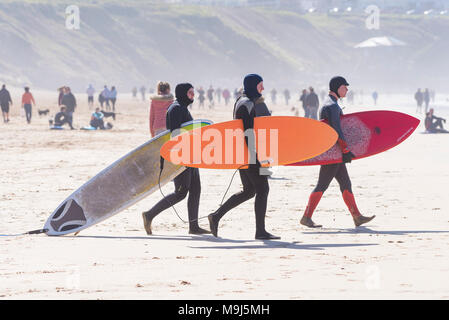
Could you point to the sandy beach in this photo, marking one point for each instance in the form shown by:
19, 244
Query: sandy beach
402, 253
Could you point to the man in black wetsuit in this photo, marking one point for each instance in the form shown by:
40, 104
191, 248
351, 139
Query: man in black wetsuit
434, 124
62, 118
250, 105
331, 111
188, 181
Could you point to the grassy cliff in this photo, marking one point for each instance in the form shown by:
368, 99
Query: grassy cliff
129, 43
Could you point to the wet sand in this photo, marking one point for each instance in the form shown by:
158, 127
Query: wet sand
402, 253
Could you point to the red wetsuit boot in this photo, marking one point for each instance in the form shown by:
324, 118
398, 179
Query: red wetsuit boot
306, 219
348, 197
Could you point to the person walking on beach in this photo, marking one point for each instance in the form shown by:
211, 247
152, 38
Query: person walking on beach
60, 95
286, 96
69, 101
188, 182
218, 94
419, 99
273, 95
201, 97
158, 108
142, 92
426, 98
90, 96
331, 112
303, 99
134, 92
27, 102
226, 96
105, 95
210, 97
247, 107
312, 104
113, 97
375, 95
5, 101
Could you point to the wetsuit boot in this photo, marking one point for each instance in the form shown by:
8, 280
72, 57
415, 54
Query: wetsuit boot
148, 217
261, 233
306, 219
213, 224
349, 199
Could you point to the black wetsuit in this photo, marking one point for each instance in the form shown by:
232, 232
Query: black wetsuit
254, 184
188, 181
61, 118
331, 112
434, 126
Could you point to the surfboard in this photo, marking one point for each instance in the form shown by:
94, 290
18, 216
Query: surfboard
90, 128
279, 140
120, 185
368, 133
56, 128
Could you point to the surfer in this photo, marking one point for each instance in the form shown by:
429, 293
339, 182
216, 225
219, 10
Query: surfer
188, 181
62, 118
250, 105
434, 124
331, 112
69, 101
158, 109
96, 120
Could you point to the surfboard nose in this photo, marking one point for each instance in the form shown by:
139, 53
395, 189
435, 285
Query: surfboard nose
69, 216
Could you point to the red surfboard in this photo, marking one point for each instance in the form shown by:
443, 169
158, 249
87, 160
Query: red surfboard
367, 133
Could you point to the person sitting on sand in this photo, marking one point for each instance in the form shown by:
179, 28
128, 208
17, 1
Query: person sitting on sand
434, 124
62, 118
96, 120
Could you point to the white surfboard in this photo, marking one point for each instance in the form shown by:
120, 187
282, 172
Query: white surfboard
122, 184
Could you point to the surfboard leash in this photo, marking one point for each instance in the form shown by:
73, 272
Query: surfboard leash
38, 231
173, 207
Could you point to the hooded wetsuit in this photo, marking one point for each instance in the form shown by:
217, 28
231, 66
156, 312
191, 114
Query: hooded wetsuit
247, 107
189, 180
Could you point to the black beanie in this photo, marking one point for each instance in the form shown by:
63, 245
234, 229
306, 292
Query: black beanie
250, 86
181, 94
337, 82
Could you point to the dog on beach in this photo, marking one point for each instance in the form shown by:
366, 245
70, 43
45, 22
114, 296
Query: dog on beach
43, 112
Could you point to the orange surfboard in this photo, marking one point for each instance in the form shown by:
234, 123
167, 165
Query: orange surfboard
279, 140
